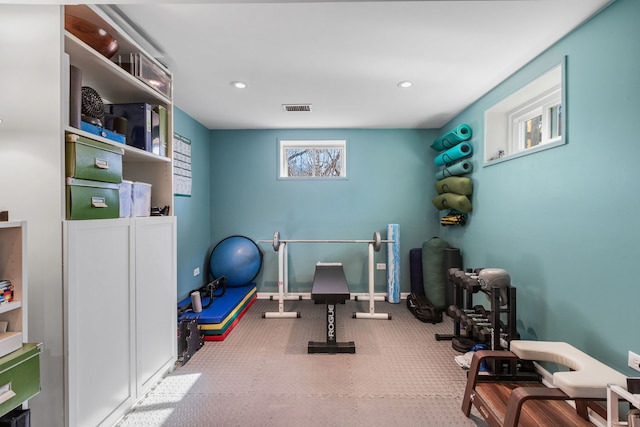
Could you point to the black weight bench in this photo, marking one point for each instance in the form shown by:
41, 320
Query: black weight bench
330, 287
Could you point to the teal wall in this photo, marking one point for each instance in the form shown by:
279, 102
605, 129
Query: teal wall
563, 222
389, 181
194, 216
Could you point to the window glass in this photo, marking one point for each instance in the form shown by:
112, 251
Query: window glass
532, 132
527, 121
313, 159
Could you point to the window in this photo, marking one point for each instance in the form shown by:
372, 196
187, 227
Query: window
538, 122
530, 120
313, 159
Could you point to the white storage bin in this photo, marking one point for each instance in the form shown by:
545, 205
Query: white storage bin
141, 199
125, 198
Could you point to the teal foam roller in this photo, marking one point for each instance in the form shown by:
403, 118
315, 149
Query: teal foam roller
453, 137
457, 152
393, 263
459, 168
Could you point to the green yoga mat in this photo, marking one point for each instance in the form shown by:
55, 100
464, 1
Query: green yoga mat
455, 184
434, 276
459, 168
457, 152
453, 137
452, 201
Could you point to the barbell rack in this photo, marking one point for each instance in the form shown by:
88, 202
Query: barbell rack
280, 245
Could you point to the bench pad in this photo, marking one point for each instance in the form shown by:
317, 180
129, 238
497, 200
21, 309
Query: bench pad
587, 379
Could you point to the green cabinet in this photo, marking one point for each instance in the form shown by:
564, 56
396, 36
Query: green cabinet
19, 376
93, 160
94, 171
92, 199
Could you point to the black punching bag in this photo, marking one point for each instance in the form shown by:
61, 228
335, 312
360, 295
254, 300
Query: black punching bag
452, 259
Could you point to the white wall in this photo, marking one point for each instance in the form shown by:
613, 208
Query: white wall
31, 178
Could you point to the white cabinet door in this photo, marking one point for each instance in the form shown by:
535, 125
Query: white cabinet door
155, 299
98, 321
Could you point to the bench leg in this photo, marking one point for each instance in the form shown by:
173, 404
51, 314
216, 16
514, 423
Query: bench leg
474, 369
520, 395
331, 346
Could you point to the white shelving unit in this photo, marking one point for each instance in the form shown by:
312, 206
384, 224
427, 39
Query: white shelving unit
116, 85
16, 387
119, 281
120, 312
32, 155
13, 247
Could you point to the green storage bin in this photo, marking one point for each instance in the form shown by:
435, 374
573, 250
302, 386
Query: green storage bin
92, 199
93, 160
19, 376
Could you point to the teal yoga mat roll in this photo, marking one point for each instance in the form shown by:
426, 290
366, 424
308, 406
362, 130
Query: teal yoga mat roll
454, 136
460, 168
459, 151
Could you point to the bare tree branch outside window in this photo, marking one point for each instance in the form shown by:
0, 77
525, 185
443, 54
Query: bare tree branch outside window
314, 161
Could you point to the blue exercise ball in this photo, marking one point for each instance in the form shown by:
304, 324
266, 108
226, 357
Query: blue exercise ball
237, 258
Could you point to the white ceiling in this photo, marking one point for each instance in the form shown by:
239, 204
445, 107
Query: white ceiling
346, 57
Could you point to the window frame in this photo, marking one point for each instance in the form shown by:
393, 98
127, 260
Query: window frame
503, 140
285, 144
540, 106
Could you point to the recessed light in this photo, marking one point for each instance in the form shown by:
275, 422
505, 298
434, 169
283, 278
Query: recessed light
405, 84
239, 85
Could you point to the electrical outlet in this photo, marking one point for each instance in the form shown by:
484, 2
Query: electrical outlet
381, 266
196, 271
634, 361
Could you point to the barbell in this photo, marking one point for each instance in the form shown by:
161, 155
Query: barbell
376, 241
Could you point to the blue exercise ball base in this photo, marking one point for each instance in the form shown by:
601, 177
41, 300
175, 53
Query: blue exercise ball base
237, 258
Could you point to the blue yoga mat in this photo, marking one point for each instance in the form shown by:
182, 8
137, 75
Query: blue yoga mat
459, 168
393, 263
454, 136
415, 271
221, 307
459, 151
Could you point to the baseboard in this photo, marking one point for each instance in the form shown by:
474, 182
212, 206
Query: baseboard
307, 295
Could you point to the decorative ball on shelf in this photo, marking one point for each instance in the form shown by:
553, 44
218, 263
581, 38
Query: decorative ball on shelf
92, 106
92, 35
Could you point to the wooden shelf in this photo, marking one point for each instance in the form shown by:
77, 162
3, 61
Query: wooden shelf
19, 361
131, 154
114, 83
9, 306
10, 224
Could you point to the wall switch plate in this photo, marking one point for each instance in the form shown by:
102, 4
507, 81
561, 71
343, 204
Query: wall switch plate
634, 361
196, 271
381, 266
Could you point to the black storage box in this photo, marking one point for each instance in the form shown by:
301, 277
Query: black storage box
16, 418
139, 123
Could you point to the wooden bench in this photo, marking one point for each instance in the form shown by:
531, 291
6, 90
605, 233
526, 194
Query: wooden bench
505, 401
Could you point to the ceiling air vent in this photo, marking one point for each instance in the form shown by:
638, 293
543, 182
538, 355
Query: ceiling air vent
297, 107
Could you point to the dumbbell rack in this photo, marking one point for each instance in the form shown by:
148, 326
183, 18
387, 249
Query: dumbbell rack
465, 315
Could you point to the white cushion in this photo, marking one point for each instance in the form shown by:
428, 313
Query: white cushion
588, 378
